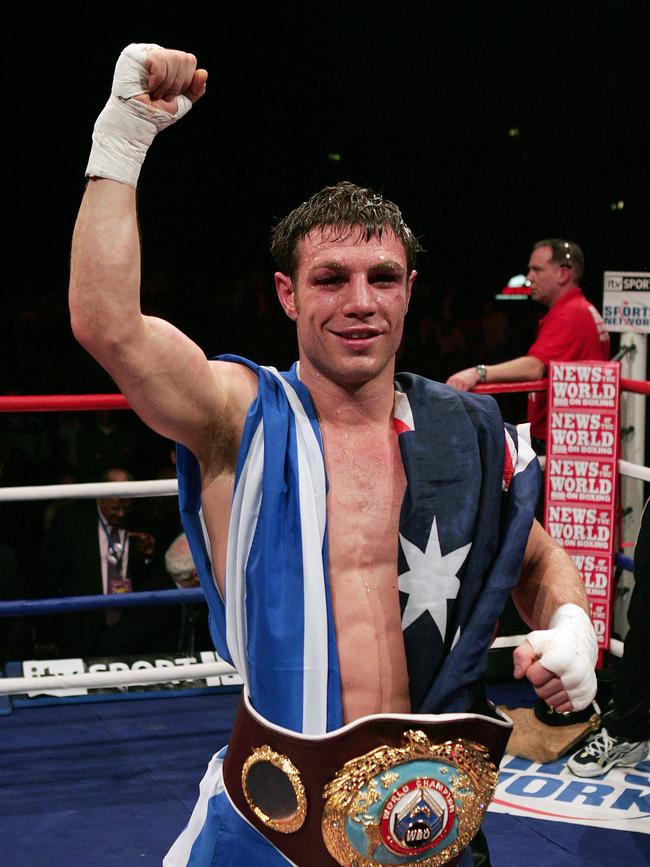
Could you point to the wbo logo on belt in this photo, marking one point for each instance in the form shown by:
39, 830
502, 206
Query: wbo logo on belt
421, 803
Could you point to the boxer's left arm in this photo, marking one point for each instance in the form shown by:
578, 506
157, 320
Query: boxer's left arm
559, 656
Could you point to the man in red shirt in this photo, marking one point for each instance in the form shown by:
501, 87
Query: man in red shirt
572, 330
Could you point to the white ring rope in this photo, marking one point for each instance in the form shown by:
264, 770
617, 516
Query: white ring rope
92, 490
634, 471
169, 487
616, 647
505, 641
104, 679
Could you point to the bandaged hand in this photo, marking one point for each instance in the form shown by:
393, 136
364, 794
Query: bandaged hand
153, 87
560, 661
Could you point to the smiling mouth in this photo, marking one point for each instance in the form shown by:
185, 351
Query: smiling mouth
358, 334
357, 339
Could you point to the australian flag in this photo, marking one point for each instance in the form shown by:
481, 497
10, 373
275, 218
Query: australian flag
472, 485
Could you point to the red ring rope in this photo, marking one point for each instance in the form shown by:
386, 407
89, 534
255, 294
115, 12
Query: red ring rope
64, 402
76, 402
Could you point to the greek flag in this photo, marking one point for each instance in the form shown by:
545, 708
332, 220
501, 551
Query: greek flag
275, 624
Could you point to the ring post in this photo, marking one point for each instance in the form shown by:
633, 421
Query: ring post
626, 310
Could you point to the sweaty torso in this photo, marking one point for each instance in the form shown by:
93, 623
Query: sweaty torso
366, 488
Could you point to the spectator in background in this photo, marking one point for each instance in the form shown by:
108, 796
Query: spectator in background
29, 433
69, 428
20, 523
451, 343
160, 515
495, 331
193, 634
572, 330
91, 549
65, 474
107, 442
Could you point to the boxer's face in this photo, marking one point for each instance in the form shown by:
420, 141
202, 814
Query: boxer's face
348, 299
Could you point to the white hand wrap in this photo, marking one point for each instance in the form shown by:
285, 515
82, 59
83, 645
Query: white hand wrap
569, 649
126, 127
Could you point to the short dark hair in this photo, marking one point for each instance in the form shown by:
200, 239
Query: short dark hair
565, 253
344, 208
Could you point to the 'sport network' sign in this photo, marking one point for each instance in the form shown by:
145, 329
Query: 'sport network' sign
626, 301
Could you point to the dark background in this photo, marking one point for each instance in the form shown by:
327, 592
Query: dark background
417, 99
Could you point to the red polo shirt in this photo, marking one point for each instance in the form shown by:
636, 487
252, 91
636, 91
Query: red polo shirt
572, 330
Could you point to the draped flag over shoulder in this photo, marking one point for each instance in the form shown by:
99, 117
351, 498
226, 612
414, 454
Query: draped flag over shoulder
275, 624
462, 536
461, 540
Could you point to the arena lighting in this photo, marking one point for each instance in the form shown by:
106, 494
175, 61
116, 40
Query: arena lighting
518, 289
617, 206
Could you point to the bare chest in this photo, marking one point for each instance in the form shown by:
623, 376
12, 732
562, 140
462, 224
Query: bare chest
366, 488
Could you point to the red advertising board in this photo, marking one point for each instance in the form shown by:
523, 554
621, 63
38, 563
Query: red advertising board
581, 483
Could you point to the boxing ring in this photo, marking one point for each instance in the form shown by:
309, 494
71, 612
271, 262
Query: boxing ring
108, 782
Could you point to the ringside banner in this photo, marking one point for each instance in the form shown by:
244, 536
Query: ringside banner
49, 667
581, 474
626, 301
617, 800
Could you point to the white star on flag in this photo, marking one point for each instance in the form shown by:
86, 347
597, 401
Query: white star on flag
431, 580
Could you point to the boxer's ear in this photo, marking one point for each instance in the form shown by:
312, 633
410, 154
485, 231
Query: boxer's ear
409, 289
286, 294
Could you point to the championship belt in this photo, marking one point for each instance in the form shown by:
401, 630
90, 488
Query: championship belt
384, 789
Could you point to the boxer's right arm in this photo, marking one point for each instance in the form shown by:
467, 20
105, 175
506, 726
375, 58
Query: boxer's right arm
163, 374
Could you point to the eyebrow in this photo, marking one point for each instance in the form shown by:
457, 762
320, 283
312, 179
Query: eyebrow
389, 265
327, 266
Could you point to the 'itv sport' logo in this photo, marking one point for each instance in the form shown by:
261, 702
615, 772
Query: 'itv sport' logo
626, 281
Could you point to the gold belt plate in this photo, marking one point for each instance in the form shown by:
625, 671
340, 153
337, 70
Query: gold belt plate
419, 803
